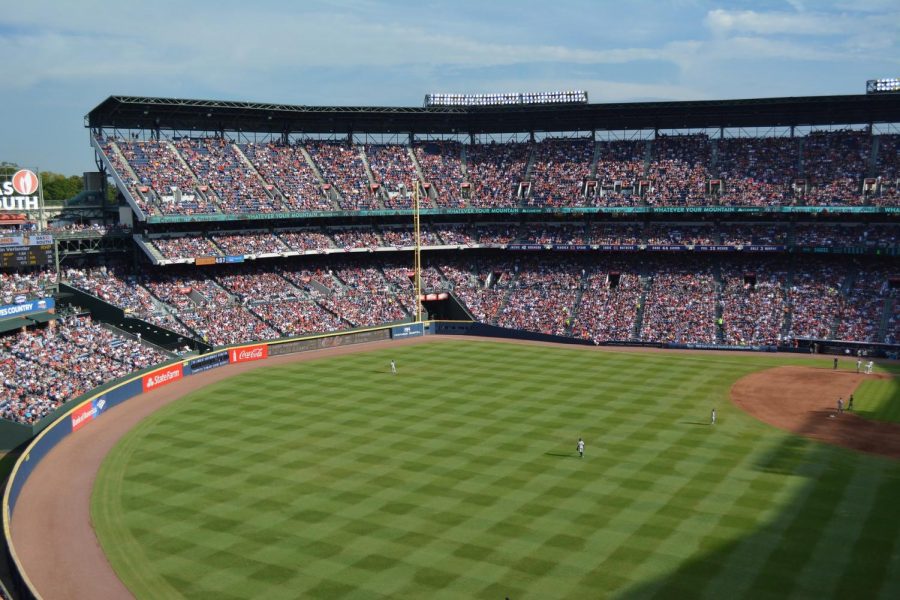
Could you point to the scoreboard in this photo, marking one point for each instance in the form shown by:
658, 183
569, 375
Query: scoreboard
12, 257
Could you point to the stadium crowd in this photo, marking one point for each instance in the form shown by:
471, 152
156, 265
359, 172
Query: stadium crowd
44, 368
215, 174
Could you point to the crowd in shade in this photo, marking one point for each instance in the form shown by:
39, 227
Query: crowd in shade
683, 235
286, 170
834, 166
753, 303
863, 305
619, 173
218, 175
185, 246
681, 304
609, 303
557, 234
496, 172
541, 296
343, 169
757, 171
398, 236
734, 234
887, 171
441, 164
219, 165
615, 235
679, 172
304, 240
559, 171
814, 296
395, 173
43, 368
238, 244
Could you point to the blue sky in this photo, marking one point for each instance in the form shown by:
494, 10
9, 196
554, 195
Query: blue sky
63, 57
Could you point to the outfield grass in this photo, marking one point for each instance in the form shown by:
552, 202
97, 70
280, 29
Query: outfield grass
458, 478
878, 399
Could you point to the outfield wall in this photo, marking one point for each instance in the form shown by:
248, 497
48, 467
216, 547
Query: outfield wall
78, 415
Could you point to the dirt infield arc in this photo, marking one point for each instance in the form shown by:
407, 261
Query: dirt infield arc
803, 400
54, 537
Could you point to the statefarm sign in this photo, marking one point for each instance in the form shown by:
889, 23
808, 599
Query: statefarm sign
162, 377
20, 192
248, 353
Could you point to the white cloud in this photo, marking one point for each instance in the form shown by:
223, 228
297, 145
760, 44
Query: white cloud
768, 23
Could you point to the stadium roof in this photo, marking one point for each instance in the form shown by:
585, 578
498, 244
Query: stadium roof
130, 112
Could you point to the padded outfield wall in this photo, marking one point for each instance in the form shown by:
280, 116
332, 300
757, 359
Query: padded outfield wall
79, 415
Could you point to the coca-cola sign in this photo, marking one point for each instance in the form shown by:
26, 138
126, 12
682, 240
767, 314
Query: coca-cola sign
248, 353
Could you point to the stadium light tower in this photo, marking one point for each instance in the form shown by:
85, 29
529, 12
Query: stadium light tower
889, 85
507, 98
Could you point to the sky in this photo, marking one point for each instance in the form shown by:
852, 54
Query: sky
64, 57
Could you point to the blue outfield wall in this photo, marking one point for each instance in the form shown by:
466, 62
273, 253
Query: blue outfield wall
80, 414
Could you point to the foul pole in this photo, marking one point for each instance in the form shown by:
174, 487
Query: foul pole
417, 261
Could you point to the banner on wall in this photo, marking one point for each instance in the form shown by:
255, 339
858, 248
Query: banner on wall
87, 413
162, 377
248, 353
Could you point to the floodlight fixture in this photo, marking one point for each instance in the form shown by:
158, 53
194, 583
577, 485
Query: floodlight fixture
889, 85
505, 99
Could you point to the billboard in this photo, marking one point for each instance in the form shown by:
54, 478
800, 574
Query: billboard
20, 192
208, 361
27, 307
248, 353
408, 331
85, 414
163, 376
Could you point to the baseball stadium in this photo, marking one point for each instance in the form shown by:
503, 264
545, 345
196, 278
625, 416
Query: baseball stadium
514, 345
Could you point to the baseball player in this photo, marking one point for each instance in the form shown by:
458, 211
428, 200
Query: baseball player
850, 403
840, 405
835, 363
858, 364
712, 417
869, 366
393, 367
580, 448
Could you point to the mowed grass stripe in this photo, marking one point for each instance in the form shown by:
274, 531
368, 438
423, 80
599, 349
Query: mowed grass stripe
458, 478
878, 399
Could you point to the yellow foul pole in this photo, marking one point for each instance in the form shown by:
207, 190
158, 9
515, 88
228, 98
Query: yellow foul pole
418, 257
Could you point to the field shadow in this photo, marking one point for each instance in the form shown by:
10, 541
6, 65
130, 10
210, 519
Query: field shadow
694, 422
787, 540
561, 454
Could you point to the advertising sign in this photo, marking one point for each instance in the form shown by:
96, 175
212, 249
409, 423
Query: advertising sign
162, 377
20, 192
257, 352
209, 361
87, 413
407, 331
26, 307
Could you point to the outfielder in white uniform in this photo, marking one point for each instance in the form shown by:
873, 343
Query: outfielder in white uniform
393, 368
580, 448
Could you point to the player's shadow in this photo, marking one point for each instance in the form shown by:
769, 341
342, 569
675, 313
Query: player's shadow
695, 422
561, 454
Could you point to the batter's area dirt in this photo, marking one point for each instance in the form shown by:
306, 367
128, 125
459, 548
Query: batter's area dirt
803, 400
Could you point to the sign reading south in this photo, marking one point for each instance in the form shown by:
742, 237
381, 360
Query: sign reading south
20, 192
